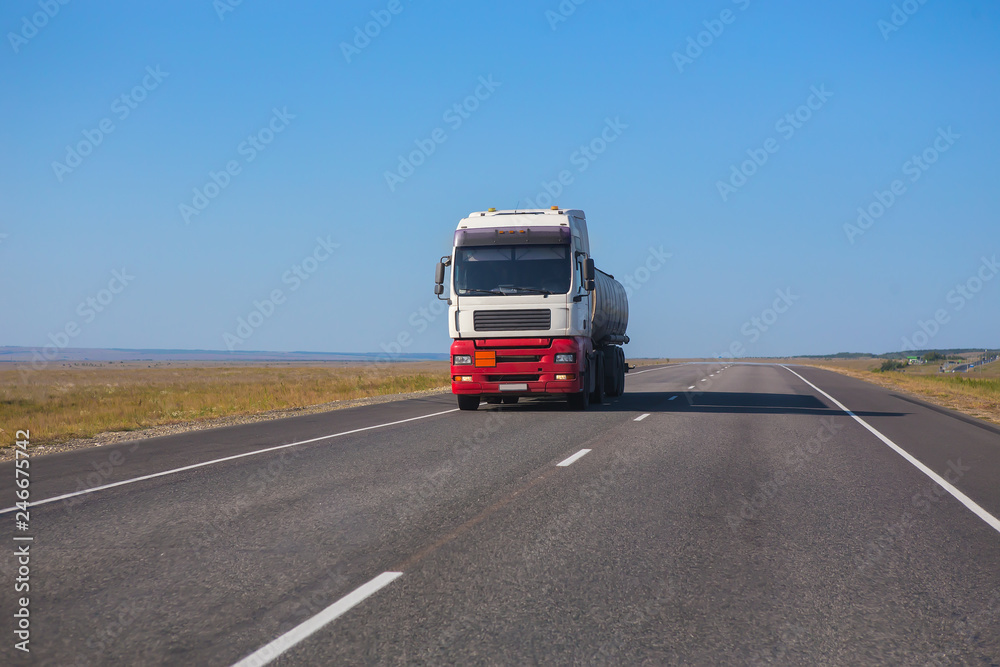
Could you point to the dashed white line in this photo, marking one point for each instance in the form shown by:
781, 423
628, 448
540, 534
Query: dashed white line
991, 520
286, 641
572, 459
227, 458
672, 397
641, 417
704, 379
691, 387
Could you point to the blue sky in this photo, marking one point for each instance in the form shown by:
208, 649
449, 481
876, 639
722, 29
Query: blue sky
201, 85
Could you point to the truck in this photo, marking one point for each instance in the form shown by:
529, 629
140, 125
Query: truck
529, 313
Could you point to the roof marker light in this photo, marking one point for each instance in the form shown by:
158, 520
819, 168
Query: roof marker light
490, 210
554, 208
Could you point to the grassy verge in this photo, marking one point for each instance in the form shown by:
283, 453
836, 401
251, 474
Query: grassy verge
971, 394
61, 403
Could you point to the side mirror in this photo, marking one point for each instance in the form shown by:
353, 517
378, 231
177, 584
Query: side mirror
589, 285
439, 275
588, 270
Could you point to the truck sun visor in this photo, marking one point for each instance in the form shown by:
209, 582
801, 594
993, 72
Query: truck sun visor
512, 236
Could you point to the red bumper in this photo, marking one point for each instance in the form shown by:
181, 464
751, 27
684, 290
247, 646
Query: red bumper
522, 366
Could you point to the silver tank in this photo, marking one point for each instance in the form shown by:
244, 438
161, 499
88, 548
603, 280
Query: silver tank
609, 312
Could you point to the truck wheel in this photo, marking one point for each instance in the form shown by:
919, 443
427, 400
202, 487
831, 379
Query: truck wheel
621, 371
468, 402
581, 401
598, 396
510, 400
613, 384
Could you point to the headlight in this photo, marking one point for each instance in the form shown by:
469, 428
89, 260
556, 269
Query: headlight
566, 358
462, 360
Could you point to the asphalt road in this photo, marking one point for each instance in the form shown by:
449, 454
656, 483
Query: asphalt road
746, 519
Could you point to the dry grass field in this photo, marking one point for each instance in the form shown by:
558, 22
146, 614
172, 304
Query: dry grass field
82, 400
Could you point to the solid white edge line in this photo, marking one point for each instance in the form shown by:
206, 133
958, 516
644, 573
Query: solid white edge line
572, 459
991, 520
227, 458
649, 370
641, 417
267, 653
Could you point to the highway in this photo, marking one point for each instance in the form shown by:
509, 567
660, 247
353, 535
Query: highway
721, 514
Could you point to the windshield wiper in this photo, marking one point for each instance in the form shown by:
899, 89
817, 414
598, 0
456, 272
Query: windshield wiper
533, 290
482, 291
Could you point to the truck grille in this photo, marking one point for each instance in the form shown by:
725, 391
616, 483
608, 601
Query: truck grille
512, 320
519, 358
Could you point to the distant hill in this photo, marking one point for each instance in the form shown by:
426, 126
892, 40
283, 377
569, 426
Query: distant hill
13, 354
892, 355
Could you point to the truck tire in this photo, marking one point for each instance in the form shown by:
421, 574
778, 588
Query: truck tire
468, 402
621, 370
581, 400
614, 376
614, 371
598, 396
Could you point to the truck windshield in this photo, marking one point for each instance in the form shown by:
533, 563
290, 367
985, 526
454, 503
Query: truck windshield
520, 269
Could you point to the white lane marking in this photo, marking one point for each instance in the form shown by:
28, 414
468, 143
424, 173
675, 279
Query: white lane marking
572, 459
227, 458
649, 370
641, 417
672, 397
704, 379
991, 520
286, 641
691, 387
